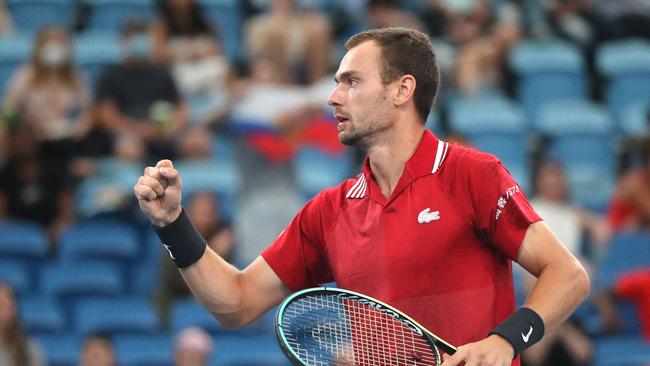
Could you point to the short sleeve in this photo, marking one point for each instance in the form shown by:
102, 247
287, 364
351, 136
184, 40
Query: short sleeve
297, 256
502, 212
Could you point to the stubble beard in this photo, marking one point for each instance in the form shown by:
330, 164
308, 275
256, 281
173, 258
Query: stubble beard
365, 133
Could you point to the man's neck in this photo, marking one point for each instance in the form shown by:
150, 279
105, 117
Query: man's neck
387, 157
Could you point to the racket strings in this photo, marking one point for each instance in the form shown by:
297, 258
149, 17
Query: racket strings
335, 330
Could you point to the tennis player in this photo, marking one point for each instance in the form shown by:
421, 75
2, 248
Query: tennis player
428, 227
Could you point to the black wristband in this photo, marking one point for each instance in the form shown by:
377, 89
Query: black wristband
184, 244
522, 329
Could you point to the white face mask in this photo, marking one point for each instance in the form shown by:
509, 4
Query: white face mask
54, 54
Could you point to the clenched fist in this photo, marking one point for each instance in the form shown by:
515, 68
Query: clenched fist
159, 193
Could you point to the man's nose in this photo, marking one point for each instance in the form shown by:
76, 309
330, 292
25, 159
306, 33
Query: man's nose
334, 99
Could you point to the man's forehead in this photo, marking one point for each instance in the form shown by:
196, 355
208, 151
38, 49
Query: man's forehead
359, 58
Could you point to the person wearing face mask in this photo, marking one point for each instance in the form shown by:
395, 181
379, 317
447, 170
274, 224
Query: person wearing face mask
46, 102
184, 38
139, 97
48, 94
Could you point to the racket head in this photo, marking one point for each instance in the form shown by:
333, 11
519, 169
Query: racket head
332, 326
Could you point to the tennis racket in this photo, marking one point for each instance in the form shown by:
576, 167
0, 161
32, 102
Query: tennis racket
331, 326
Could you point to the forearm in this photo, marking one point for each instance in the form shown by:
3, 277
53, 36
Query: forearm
218, 287
559, 289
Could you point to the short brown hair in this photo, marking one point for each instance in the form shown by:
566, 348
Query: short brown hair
405, 51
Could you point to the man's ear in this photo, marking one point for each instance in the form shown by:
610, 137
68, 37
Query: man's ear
405, 90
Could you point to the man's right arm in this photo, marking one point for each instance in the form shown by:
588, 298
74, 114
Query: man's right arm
236, 298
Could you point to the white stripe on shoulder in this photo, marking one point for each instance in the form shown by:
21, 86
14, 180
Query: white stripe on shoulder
441, 153
444, 155
359, 188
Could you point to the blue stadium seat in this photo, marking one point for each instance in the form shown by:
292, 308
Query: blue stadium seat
224, 148
580, 139
482, 115
248, 350
621, 351
212, 175
41, 315
226, 17
14, 273
316, 169
99, 239
188, 312
76, 280
627, 251
590, 186
145, 276
94, 51
626, 64
548, 71
110, 15
635, 120
144, 350
31, 15
61, 349
590, 166
14, 50
117, 316
106, 191
573, 117
22, 240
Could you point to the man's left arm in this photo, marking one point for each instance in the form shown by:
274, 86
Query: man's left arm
562, 284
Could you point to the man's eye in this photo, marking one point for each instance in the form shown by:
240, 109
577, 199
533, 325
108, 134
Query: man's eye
354, 82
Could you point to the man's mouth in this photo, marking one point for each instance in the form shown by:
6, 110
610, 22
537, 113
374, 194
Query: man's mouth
341, 118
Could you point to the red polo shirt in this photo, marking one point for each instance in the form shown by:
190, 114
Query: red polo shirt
439, 248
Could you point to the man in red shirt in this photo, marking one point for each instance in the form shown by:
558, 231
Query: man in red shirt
428, 227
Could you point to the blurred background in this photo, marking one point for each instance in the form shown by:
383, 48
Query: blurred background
235, 92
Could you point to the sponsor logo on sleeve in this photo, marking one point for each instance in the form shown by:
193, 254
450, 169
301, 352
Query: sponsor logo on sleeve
503, 199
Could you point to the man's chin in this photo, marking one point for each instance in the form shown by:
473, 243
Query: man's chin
350, 140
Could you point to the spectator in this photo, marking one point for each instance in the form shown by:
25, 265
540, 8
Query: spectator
202, 207
569, 345
630, 205
622, 19
33, 190
193, 347
184, 38
49, 95
291, 39
568, 19
386, 13
477, 40
97, 350
140, 97
570, 223
16, 349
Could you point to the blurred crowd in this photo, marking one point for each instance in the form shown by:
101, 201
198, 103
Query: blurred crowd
177, 93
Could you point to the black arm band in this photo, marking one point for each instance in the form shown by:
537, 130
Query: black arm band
522, 329
184, 244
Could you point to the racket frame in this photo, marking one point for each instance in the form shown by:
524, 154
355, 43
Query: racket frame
435, 341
